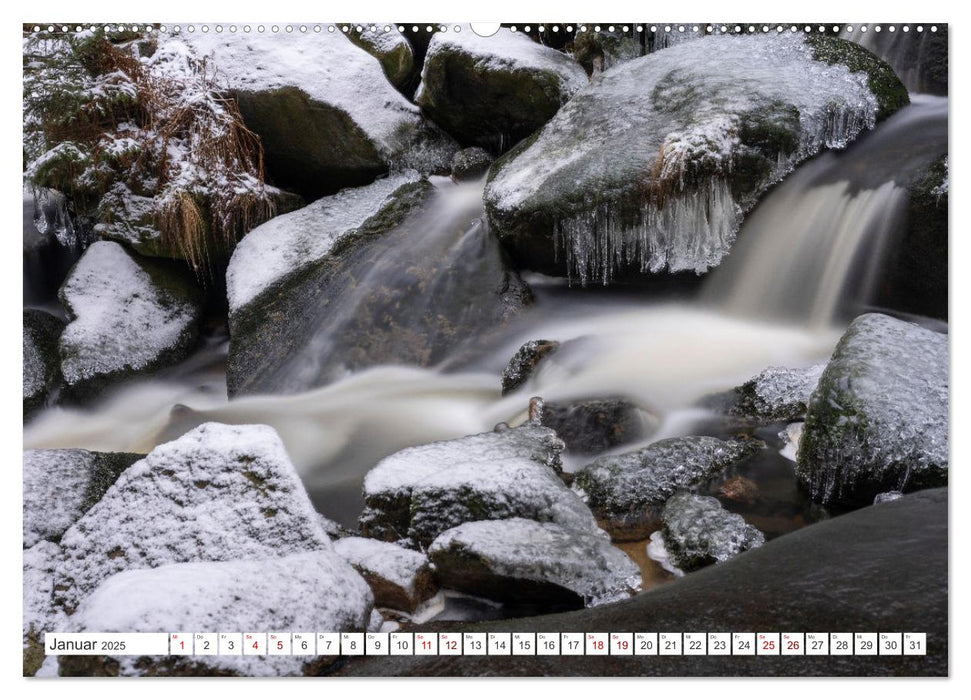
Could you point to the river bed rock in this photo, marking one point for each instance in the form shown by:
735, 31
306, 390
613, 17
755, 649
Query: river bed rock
592, 426
416, 494
531, 563
878, 421
627, 492
652, 166
471, 164
698, 532
522, 365
42, 363
777, 394
493, 91
400, 578
129, 316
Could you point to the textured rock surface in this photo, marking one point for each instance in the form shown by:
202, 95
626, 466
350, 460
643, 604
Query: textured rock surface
128, 316
526, 562
697, 532
777, 393
217, 493
41, 359
651, 167
878, 421
522, 365
797, 581
494, 91
307, 591
323, 108
400, 578
420, 492
627, 492
61, 485
596, 425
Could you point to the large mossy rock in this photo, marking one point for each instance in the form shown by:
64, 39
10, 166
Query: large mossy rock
492, 92
372, 275
326, 114
42, 363
652, 166
838, 575
878, 421
62, 485
530, 563
129, 316
698, 532
390, 48
627, 492
416, 494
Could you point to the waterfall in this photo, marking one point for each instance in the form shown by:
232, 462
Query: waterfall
810, 250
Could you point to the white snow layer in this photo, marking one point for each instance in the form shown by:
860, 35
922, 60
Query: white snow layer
525, 549
325, 66
122, 319
390, 562
218, 493
311, 591
287, 244
508, 51
55, 486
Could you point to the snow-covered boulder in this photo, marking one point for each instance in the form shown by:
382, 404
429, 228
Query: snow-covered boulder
420, 492
628, 491
309, 591
652, 166
522, 365
400, 578
878, 421
390, 47
528, 562
698, 531
61, 485
287, 246
128, 316
494, 91
396, 272
777, 393
218, 493
326, 114
41, 360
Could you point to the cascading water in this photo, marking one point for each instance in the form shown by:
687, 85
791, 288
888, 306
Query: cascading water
810, 250
662, 356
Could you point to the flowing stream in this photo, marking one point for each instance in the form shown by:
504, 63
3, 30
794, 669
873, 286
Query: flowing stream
781, 297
